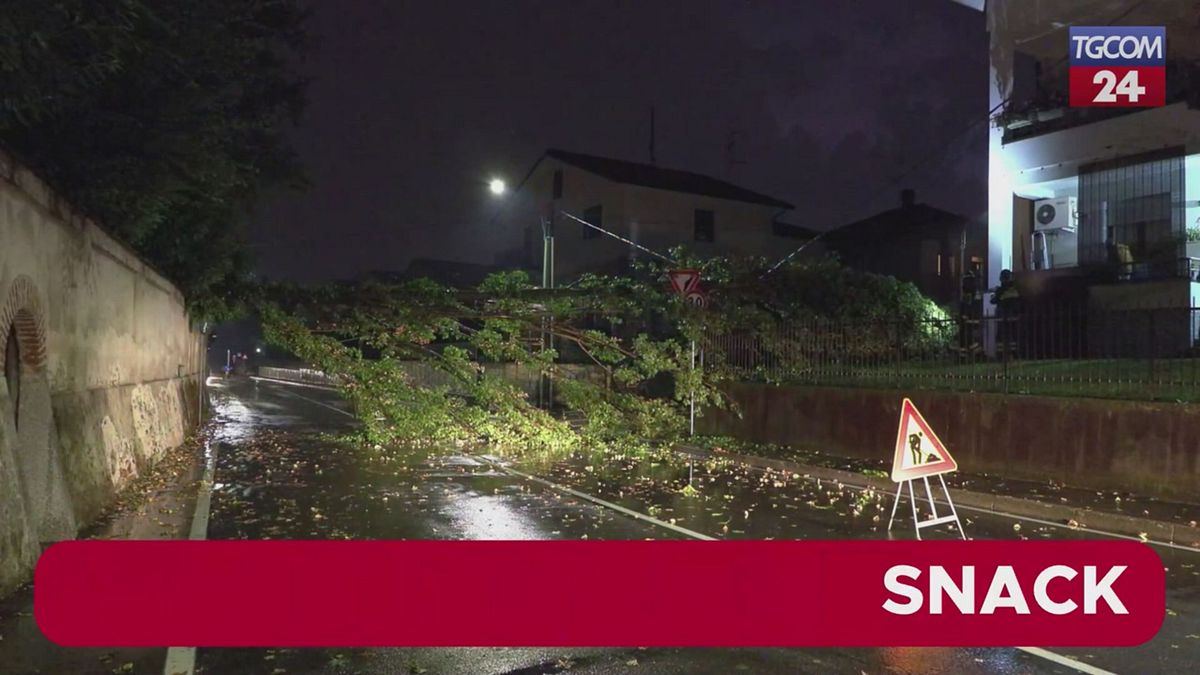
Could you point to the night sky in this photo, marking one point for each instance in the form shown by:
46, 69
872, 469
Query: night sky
414, 105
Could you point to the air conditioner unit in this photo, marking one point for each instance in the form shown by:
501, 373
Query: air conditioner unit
1060, 213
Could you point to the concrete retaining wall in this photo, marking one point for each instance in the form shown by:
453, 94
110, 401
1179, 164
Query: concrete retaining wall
102, 370
1151, 448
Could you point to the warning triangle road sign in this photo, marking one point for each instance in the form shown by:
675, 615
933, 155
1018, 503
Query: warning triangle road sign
919, 452
684, 281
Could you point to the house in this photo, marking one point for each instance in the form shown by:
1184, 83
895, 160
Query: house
642, 205
913, 242
1089, 205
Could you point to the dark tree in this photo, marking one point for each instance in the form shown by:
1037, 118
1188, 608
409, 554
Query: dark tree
166, 121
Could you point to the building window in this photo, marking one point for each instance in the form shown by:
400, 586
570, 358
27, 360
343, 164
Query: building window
558, 178
703, 226
595, 216
1131, 214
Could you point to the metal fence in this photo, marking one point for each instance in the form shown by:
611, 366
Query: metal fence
306, 375
1143, 354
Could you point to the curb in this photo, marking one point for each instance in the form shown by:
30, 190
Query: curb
1062, 514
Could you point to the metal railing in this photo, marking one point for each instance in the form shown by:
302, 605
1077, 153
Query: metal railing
305, 375
1139, 354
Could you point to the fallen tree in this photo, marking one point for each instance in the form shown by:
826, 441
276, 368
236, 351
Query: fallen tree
631, 327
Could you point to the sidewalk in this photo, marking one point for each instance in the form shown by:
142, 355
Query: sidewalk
1107, 511
157, 505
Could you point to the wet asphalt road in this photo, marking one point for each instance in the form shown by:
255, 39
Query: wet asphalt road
281, 475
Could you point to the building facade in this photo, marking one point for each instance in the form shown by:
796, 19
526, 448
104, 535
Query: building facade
914, 242
647, 205
1093, 205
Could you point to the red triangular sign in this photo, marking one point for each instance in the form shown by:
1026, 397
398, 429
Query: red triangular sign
684, 281
919, 452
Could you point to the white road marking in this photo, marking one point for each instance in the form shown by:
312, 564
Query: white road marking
1066, 661
310, 400
606, 504
182, 660
1034, 651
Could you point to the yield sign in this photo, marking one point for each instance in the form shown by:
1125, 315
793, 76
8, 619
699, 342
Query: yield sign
919, 452
684, 282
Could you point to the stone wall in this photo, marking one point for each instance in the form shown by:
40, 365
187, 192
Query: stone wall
101, 375
1151, 448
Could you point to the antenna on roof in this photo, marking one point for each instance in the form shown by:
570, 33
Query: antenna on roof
731, 160
653, 159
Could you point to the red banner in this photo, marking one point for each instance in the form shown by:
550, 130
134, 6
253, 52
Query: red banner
1117, 86
614, 593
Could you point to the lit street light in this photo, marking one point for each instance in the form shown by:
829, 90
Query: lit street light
545, 385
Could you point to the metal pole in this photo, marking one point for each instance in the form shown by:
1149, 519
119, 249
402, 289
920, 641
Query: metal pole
692, 393
201, 375
896, 504
550, 332
912, 497
544, 386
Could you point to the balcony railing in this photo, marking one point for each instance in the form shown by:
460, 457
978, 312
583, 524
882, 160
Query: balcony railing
1049, 110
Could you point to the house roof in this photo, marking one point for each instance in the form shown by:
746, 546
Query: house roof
649, 175
915, 219
793, 231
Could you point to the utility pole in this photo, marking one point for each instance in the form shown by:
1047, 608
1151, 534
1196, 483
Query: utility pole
546, 384
692, 402
731, 159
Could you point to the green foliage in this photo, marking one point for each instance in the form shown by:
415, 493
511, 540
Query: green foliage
1193, 234
386, 344
163, 120
426, 364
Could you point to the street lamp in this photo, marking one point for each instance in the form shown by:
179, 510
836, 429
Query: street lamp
545, 386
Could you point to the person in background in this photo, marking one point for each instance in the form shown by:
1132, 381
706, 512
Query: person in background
1007, 300
969, 309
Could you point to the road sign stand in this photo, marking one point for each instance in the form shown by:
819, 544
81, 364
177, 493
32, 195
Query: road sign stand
686, 283
920, 454
935, 519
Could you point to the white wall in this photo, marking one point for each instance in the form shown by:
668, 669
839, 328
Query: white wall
656, 219
109, 374
1039, 28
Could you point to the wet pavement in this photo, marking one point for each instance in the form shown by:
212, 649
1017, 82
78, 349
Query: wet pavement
1119, 502
284, 482
282, 473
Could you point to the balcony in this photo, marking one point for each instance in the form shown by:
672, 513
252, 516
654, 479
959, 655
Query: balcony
1047, 110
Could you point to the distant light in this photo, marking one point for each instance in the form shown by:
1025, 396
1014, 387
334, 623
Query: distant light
258, 350
497, 186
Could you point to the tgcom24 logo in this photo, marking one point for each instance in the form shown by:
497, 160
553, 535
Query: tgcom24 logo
1118, 66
